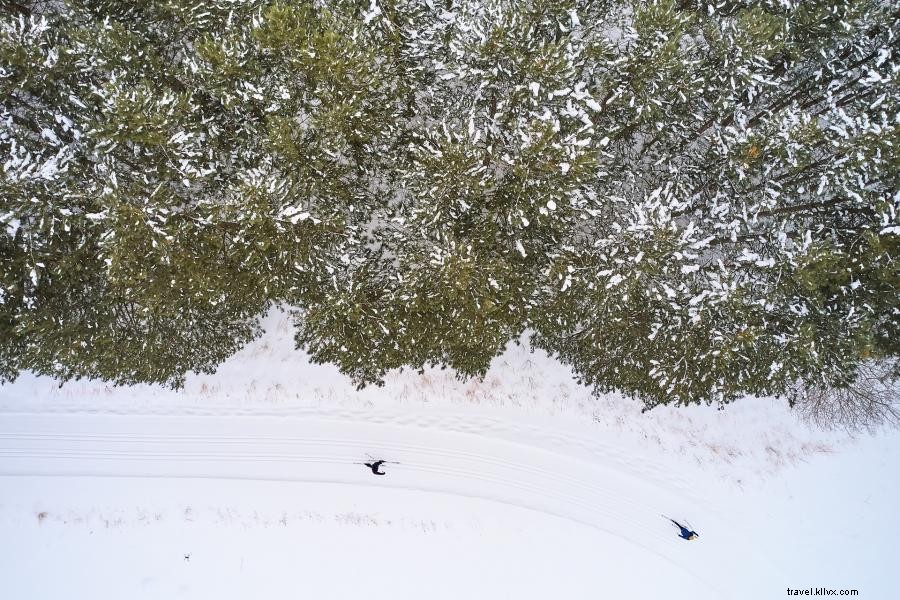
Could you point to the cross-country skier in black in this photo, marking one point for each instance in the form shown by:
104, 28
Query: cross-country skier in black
684, 532
374, 466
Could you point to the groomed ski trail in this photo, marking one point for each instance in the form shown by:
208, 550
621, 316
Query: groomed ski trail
555, 472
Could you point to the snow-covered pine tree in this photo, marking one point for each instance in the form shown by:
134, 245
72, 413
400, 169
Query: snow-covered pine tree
489, 172
754, 152
151, 207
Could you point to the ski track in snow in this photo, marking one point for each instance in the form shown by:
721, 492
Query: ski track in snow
536, 468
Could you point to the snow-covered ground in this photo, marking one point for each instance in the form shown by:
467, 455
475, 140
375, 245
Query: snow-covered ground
245, 484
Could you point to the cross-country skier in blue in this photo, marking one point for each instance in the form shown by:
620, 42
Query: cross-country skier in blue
685, 533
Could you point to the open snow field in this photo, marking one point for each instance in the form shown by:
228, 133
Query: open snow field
245, 485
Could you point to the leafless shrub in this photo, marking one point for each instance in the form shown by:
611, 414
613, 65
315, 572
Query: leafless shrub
869, 402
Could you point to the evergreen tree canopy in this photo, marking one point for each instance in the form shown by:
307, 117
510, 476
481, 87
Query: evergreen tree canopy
685, 200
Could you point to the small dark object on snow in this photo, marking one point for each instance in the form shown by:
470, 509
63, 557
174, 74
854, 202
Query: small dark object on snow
685, 533
375, 466
187, 557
